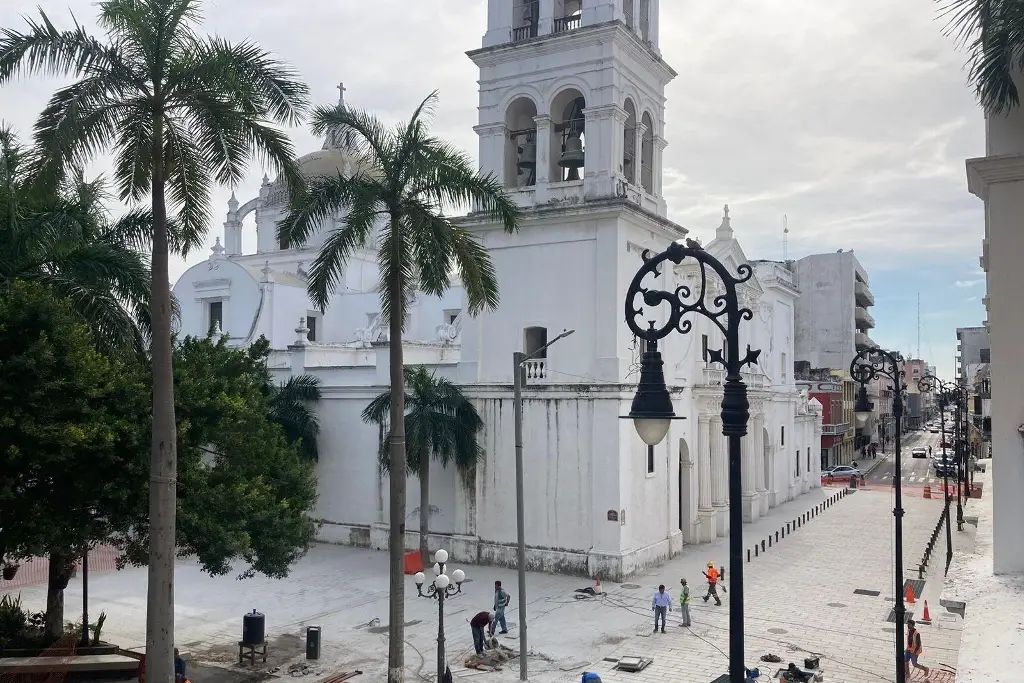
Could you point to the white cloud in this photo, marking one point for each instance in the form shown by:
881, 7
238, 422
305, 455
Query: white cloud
967, 284
851, 116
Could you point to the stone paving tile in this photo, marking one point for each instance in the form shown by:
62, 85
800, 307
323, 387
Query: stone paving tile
799, 600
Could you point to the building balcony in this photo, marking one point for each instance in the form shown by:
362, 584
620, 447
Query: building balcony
835, 429
863, 341
863, 318
714, 376
863, 294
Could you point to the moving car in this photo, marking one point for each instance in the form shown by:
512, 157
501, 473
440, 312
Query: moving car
919, 452
933, 429
840, 473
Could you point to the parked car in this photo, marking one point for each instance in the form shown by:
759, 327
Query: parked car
919, 452
933, 429
946, 467
840, 473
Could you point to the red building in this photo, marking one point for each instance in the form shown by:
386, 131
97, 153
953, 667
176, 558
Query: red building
820, 384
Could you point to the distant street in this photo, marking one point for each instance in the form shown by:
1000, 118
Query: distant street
916, 472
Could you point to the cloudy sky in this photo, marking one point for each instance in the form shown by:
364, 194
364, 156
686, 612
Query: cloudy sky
851, 117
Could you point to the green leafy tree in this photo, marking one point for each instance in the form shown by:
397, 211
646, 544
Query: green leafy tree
245, 492
291, 407
992, 33
408, 178
180, 112
59, 234
440, 424
73, 428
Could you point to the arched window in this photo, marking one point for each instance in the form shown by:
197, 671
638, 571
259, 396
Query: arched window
568, 138
629, 144
647, 155
521, 144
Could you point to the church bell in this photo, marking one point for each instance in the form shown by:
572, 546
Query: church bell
527, 155
572, 156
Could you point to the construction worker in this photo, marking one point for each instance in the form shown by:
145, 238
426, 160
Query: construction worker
483, 620
712, 574
913, 649
684, 603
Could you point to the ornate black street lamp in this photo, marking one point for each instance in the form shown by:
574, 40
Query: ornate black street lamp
959, 393
867, 365
440, 590
928, 384
652, 411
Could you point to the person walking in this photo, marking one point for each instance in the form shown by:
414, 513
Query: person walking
913, 650
684, 603
661, 604
482, 620
713, 576
501, 600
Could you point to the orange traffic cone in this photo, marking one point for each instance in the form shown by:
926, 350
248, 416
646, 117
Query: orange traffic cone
597, 585
910, 594
927, 616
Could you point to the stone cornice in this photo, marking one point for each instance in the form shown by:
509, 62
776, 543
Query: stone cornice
552, 43
985, 171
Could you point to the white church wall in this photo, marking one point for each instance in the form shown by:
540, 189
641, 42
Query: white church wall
217, 280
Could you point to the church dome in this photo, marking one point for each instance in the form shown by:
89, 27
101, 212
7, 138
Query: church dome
328, 162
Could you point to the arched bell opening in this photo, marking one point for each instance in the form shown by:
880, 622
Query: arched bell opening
568, 15
568, 140
629, 143
525, 18
647, 155
521, 145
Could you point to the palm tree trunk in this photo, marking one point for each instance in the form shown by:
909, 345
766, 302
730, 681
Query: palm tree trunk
396, 541
424, 508
164, 457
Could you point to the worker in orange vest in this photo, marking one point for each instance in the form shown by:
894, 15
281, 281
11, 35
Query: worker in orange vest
713, 576
913, 649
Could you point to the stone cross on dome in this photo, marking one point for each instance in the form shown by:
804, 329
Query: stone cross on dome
336, 139
341, 94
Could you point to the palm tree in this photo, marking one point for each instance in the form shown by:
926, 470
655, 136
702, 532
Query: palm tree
180, 112
61, 236
992, 32
412, 176
440, 423
290, 408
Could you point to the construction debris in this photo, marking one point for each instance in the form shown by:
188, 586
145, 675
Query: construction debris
493, 657
633, 664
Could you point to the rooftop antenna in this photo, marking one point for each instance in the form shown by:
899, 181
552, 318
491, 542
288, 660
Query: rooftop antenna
919, 324
785, 237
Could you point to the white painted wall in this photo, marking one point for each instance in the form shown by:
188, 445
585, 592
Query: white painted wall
825, 325
999, 181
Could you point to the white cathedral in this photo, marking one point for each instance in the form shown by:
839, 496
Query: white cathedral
572, 96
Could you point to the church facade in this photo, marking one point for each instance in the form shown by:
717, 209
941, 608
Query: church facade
572, 112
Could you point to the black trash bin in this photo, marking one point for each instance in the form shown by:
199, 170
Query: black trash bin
312, 642
253, 628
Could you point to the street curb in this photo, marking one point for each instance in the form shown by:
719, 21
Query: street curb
875, 465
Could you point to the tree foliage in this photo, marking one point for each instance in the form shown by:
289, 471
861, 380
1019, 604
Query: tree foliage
73, 428
244, 490
440, 424
59, 234
992, 33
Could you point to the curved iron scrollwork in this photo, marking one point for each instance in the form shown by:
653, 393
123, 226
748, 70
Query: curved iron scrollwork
721, 309
870, 364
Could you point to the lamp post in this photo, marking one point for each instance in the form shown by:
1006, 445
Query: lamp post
518, 381
440, 589
652, 411
959, 396
928, 384
866, 366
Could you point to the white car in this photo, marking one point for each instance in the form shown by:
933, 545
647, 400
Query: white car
840, 473
919, 452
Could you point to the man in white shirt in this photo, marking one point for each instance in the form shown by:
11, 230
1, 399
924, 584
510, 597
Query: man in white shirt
661, 604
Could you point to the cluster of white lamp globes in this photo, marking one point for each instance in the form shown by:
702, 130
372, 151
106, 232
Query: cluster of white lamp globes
441, 582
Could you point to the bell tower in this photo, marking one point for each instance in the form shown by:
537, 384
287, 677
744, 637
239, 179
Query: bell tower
572, 100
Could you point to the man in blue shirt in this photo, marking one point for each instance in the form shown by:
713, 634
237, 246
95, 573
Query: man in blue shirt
661, 604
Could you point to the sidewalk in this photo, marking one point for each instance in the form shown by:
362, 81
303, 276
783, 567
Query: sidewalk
799, 598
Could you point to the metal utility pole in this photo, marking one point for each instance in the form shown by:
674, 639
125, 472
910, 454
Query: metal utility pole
518, 380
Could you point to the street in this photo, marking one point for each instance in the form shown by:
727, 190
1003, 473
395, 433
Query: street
916, 472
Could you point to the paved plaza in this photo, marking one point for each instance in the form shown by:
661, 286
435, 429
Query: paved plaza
800, 600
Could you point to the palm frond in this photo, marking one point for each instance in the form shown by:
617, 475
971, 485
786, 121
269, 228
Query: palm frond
992, 33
